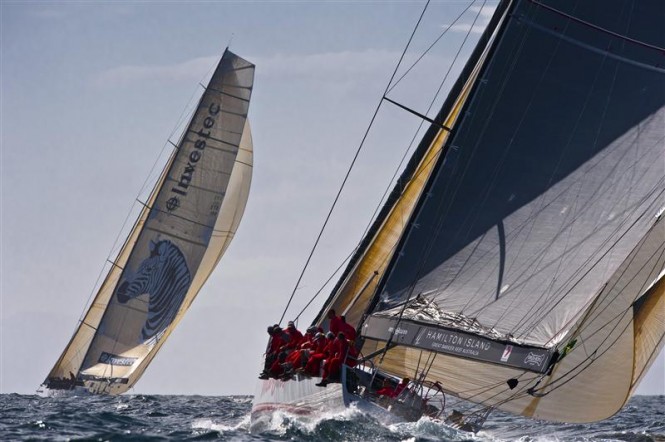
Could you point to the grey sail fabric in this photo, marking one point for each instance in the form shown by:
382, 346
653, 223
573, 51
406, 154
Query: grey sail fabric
553, 174
190, 218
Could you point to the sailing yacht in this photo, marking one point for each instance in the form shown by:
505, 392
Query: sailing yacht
179, 237
518, 263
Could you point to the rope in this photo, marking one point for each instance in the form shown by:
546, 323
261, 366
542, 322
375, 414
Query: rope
348, 172
423, 259
407, 150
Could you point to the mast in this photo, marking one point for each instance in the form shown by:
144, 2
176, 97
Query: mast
180, 235
376, 249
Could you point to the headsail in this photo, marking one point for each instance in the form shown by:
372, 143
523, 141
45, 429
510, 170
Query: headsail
540, 232
179, 237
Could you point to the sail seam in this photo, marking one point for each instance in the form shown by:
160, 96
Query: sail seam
205, 189
173, 235
594, 49
246, 100
219, 140
596, 27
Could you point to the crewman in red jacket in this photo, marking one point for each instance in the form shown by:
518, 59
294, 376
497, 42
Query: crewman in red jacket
277, 369
401, 386
347, 329
335, 322
280, 339
308, 337
387, 389
294, 336
333, 365
299, 357
320, 352
275, 343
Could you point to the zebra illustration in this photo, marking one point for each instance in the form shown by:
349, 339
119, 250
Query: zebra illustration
164, 276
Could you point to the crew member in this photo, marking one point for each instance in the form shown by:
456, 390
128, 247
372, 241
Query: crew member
347, 329
277, 340
294, 336
401, 386
320, 352
335, 322
387, 389
277, 369
333, 365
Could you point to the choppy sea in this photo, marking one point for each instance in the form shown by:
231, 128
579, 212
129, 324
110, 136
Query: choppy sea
140, 417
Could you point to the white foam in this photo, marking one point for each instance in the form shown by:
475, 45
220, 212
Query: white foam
427, 428
209, 424
280, 421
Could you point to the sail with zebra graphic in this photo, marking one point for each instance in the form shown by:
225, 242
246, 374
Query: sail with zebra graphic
180, 235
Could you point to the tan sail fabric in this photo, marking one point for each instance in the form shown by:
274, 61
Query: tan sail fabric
605, 342
72, 357
649, 326
180, 236
227, 224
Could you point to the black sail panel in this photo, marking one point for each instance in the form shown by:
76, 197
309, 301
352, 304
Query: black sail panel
552, 176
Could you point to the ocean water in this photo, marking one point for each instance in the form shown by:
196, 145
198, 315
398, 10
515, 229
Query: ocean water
138, 417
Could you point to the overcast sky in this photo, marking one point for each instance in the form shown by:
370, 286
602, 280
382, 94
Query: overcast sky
91, 93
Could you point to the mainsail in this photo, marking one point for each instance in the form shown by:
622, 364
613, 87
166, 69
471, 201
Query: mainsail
521, 264
180, 235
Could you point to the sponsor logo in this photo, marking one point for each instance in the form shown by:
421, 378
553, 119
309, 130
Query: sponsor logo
399, 331
187, 174
534, 359
165, 278
108, 358
506, 353
456, 341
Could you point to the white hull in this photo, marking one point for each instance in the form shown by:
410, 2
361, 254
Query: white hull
300, 396
43, 391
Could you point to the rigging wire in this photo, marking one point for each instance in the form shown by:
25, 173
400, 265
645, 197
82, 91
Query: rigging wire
590, 358
597, 136
580, 367
594, 355
97, 286
431, 243
430, 47
536, 210
348, 172
325, 283
540, 312
406, 152
580, 273
182, 118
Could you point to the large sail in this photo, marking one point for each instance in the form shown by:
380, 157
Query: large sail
179, 237
536, 254
357, 285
